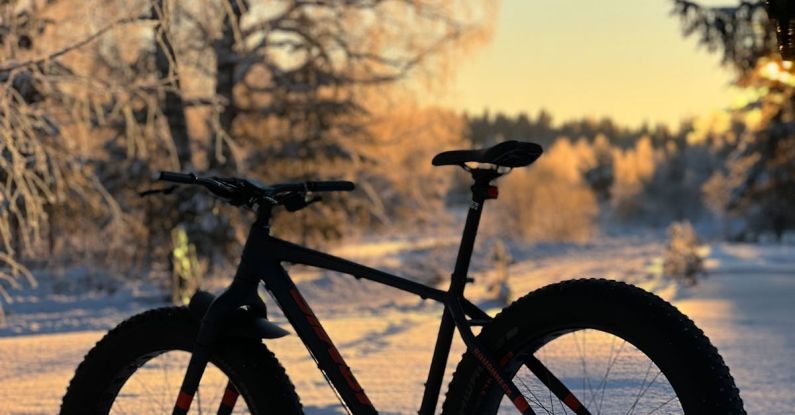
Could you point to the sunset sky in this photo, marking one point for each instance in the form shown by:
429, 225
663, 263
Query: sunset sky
622, 58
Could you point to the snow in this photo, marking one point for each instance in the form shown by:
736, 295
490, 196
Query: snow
746, 307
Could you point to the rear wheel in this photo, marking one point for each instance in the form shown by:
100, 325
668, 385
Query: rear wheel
138, 367
617, 348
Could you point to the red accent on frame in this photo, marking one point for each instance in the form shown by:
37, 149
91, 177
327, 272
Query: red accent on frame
572, 402
184, 400
505, 359
492, 192
332, 350
230, 396
362, 398
301, 303
521, 404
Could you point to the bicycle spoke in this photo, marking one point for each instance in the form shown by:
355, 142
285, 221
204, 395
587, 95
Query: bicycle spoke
611, 362
553, 384
604, 378
166, 384
627, 382
151, 385
199, 401
643, 391
534, 398
585, 378
640, 390
661, 406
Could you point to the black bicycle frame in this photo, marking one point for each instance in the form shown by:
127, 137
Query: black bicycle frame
262, 260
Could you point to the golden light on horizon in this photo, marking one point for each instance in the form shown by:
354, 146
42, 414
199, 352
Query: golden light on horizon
627, 60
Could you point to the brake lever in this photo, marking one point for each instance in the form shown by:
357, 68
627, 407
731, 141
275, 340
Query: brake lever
297, 201
313, 199
165, 191
241, 192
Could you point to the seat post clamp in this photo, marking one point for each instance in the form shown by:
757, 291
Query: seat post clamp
484, 192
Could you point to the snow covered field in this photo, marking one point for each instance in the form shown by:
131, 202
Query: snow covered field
746, 306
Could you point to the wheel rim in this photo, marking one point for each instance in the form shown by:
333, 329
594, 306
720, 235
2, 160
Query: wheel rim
154, 384
609, 375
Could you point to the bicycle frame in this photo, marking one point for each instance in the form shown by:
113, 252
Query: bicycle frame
262, 260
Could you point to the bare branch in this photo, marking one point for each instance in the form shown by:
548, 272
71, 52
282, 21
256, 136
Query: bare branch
72, 47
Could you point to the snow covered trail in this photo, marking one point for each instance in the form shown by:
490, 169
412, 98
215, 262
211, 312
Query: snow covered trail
745, 307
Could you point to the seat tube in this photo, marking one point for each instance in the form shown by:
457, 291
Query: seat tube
441, 351
464, 257
433, 384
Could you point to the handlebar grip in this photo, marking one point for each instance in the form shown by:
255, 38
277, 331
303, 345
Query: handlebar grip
330, 186
170, 176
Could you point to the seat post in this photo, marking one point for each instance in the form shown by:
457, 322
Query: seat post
482, 190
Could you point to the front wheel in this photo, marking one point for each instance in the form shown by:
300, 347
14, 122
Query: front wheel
137, 368
617, 348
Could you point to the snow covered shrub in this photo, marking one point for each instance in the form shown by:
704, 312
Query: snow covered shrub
682, 260
549, 201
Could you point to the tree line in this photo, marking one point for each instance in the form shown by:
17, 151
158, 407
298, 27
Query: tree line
544, 129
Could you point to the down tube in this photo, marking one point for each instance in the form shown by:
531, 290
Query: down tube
312, 334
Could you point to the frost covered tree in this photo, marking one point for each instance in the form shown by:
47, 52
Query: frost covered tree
533, 205
43, 173
760, 174
96, 98
599, 172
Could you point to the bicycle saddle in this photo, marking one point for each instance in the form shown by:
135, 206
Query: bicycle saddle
509, 153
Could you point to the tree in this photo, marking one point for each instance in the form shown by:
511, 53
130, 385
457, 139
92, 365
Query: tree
533, 206
761, 171
599, 172
301, 79
292, 89
41, 174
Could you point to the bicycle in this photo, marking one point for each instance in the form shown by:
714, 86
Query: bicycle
224, 335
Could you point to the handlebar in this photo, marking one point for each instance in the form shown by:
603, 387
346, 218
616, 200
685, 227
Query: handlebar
324, 186
309, 186
244, 192
170, 176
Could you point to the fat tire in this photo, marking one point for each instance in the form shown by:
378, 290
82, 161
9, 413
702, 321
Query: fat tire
253, 369
691, 363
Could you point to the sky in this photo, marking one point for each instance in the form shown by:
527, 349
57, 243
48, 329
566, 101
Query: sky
591, 58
